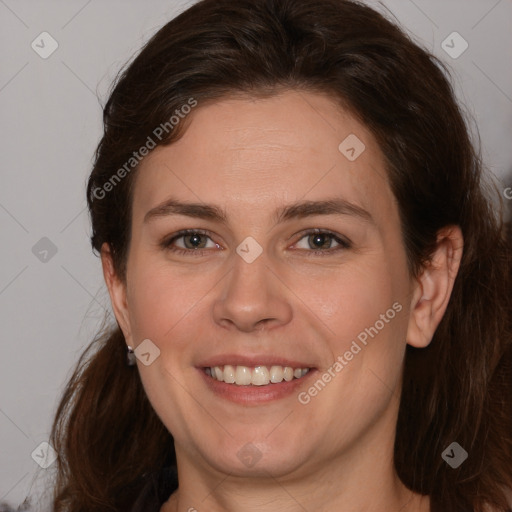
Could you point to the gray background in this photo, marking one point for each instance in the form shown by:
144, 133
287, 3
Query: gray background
52, 304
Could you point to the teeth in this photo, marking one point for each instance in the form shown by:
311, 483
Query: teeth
217, 371
260, 376
243, 375
288, 374
228, 375
276, 374
257, 376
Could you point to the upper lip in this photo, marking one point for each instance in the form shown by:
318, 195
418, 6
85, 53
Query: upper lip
252, 360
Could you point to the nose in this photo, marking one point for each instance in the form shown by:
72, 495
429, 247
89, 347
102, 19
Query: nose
252, 297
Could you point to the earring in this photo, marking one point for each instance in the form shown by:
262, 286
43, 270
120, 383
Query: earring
130, 357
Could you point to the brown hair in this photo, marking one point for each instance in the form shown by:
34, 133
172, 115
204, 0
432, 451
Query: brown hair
459, 388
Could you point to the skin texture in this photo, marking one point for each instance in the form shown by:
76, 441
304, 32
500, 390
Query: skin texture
250, 156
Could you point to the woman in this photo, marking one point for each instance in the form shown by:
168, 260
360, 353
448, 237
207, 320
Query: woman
308, 277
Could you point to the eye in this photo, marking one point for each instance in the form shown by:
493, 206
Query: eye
194, 241
320, 241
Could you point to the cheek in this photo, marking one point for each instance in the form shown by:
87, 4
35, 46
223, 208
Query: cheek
160, 298
349, 298
362, 311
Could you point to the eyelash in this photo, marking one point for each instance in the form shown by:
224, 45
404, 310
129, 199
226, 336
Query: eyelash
343, 243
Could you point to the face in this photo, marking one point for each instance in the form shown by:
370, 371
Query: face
294, 260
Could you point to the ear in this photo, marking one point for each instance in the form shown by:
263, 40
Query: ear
433, 287
117, 291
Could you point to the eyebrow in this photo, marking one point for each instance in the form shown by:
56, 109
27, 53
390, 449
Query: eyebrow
301, 209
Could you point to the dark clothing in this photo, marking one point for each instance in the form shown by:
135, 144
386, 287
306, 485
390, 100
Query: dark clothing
156, 491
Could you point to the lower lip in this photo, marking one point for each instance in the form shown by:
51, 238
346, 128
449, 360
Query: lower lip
254, 395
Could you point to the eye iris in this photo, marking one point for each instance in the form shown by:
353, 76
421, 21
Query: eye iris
319, 238
196, 244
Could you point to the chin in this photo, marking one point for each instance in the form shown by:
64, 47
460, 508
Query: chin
256, 456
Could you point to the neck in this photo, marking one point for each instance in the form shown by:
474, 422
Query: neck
235, 494
361, 478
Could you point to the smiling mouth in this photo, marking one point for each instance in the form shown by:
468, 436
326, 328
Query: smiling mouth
254, 376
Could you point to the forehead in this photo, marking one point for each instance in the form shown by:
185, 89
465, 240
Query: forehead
251, 153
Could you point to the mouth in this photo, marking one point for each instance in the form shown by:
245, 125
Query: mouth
254, 381
254, 375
